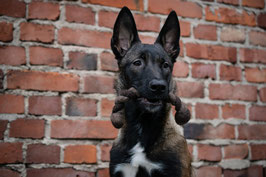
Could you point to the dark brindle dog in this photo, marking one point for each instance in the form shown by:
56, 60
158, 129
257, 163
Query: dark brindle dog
149, 144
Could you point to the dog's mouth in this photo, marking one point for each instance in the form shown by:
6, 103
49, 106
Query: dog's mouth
150, 105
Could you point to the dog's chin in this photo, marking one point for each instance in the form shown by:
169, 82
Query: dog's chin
151, 106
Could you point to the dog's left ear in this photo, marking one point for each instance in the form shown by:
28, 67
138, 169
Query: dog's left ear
169, 36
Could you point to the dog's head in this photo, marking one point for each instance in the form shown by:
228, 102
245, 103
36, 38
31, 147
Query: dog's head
147, 68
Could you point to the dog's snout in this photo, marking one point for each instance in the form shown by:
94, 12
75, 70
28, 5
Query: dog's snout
157, 86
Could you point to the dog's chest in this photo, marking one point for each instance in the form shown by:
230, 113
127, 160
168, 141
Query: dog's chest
138, 159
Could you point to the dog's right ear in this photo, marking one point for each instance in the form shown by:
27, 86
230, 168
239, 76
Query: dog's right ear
125, 33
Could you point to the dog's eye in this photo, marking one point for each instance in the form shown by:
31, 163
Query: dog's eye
137, 62
165, 65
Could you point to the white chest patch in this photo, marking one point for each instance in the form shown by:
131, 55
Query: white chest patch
138, 159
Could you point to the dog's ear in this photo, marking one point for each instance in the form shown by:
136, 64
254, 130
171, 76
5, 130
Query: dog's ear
169, 36
125, 33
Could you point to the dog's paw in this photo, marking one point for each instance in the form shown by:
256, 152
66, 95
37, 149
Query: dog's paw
118, 119
183, 115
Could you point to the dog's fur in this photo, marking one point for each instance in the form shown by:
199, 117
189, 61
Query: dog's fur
149, 144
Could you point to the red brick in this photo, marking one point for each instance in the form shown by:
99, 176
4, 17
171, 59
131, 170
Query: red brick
11, 104
81, 107
200, 70
79, 14
255, 75
258, 151
99, 84
36, 32
12, 55
230, 16
10, 153
82, 61
252, 132
209, 153
82, 37
45, 105
147, 39
44, 10
255, 170
80, 154
236, 151
233, 2
3, 126
185, 26
257, 38
46, 56
41, 153
207, 32
103, 172
42, 81
190, 89
131, 4
105, 152
252, 55
8, 173
93, 129
107, 18
6, 31
209, 171
257, 113
206, 111
232, 92
211, 52
229, 34
147, 23
263, 94
235, 173
58, 172
254, 3
27, 128
261, 20
190, 149
108, 62
230, 73
13, 8
156, 6
180, 69
107, 107
234, 111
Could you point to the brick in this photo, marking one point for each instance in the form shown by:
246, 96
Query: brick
147, 39
99, 84
79, 14
107, 107
8, 173
46, 56
12, 55
211, 52
107, 18
252, 132
229, 34
185, 26
27, 128
88, 38
42, 81
206, 111
254, 3
207, 131
82, 61
44, 10
108, 62
232, 2
11, 104
257, 38
236, 151
3, 126
206, 32
190, 149
36, 32
131, 4
235, 173
209, 153
258, 151
81, 107
45, 105
156, 6
257, 113
230, 73
249, 172
263, 94
200, 70
237, 111
255, 170
147, 23
261, 20
255, 75
180, 69
10, 153
103, 172
230, 16
232, 92
57, 172
190, 89
92, 129
252, 55
80, 154
208, 171
13, 8
41, 153
6, 31
105, 152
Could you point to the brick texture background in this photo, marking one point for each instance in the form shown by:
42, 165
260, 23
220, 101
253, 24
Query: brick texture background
57, 73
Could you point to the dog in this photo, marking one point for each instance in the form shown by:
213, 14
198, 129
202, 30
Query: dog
149, 144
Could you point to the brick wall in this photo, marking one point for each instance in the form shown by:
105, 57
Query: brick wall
57, 73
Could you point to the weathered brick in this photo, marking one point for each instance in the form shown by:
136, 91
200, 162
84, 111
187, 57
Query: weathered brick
12, 55
99, 84
45, 105
254, 3
233, 2
82, 61
58, 172
233, 111
27, 128
10, 152
255, 75
43, 10
3, 126
236, 151
258, 151
263, 94
209, 171
206, 111
229, 34
79, 14
147, 23
147, 39
41, 153
13, 8
249, 172
8, 173
105, 152
257, 38
11, 104
200, 70
252, 55
6, 31
252, 132
36, 32
180, 69
107, 107
80, 154
103, 172
92, 129
185, 26
190, 89
257, 113
261, 20
207, 32
42, 81
209, 153
108, 62
230, 73
81, 107
107, 18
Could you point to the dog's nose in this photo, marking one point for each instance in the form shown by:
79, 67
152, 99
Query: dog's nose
158, 86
